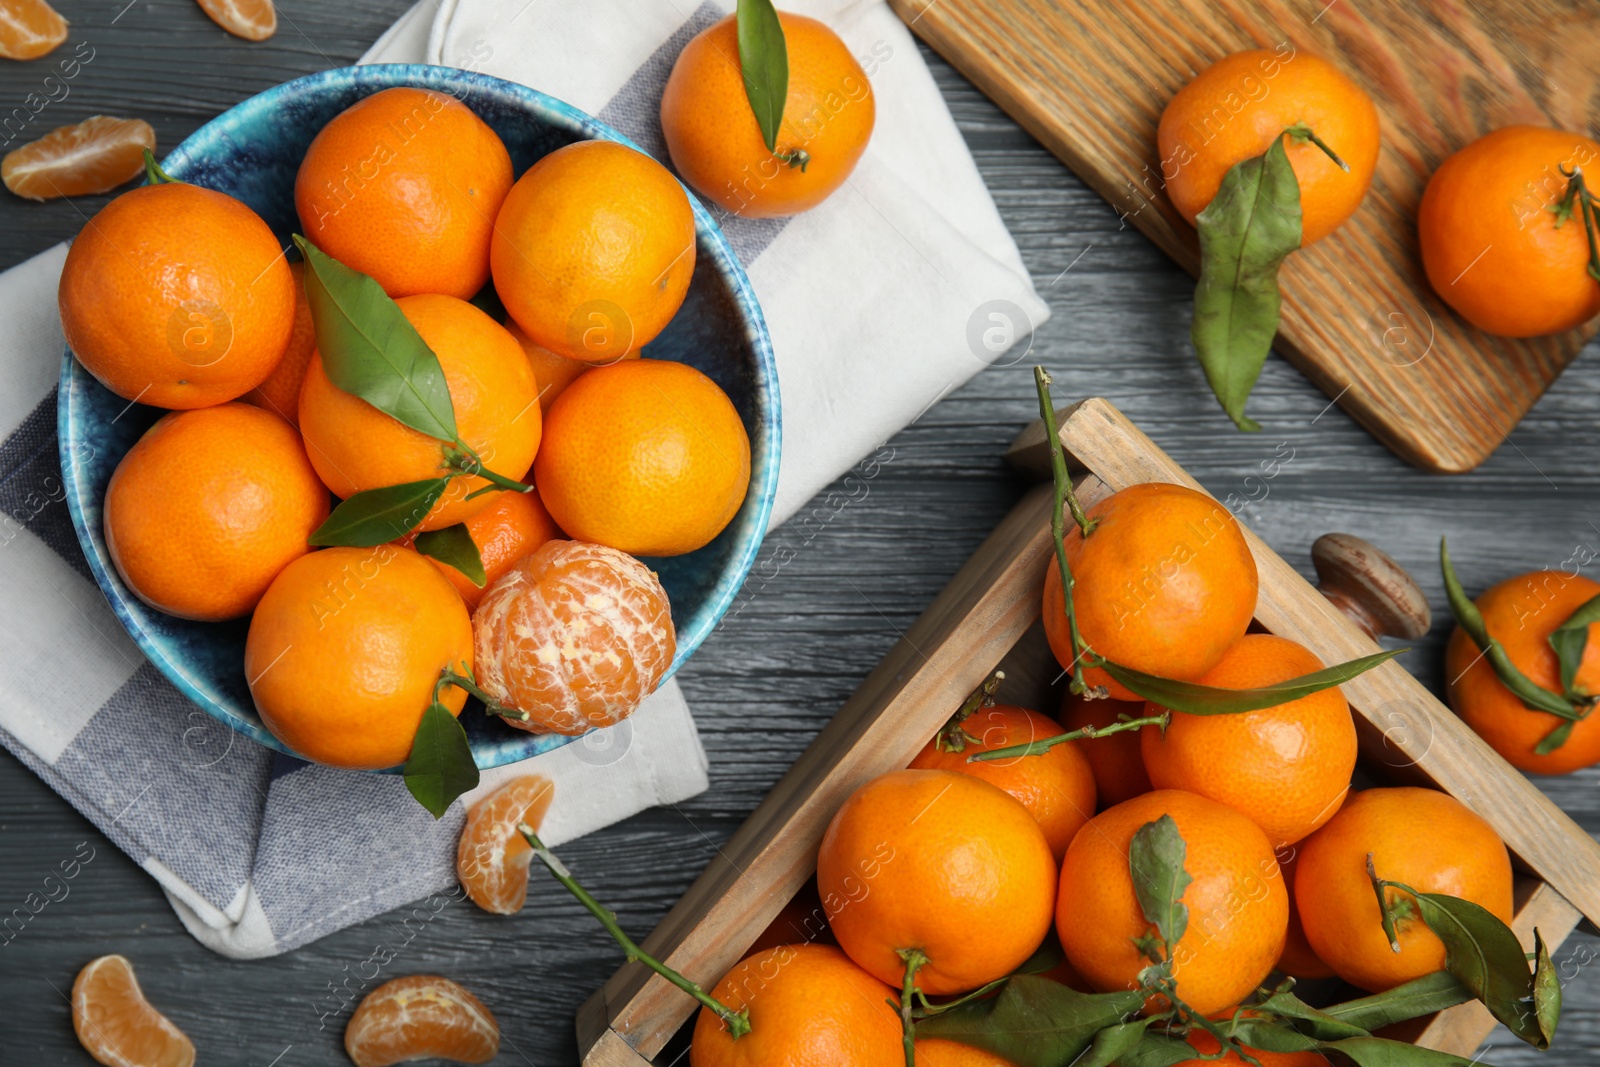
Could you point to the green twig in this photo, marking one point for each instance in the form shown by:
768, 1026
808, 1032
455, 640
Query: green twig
490, 704
952, 737
1302, 132
1379, 886
459, 457
1064, 499
153, 172
914, 961
1043, 745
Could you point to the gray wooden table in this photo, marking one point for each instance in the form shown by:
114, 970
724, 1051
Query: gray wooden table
766, 682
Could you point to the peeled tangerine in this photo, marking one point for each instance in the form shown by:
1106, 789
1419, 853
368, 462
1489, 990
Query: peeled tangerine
117, 1026
576, 635
492, 856
421, 1017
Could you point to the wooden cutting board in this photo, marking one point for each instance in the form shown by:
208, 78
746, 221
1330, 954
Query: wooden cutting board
1089, 79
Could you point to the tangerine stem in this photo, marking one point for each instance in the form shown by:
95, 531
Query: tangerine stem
1058, 524
1302, 132
914, 960
458, 457
952, 738
738, 1022
1378, 887
490, 704
1043, 745
153, 172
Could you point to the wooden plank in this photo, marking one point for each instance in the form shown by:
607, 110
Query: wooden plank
1089, 79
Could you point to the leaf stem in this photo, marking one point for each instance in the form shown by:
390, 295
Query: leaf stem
490, 704
738, 1022
459, 457
1043, 745
153, 172
1302, 132
914, 960
1064, 498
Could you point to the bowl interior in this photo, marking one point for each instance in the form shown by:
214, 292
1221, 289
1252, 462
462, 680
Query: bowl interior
253, 152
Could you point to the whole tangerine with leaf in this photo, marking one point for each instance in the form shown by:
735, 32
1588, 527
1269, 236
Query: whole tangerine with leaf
1286, 767
1165, 583
767, 113
593, 250
938, 872
1512, 212
404, 186
420, 1016
177, 296
208, 506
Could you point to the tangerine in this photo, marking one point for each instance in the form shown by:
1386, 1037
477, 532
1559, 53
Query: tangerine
356, 447
574, 634
345, 652
1427, 839
938, 1052
199, 313
1521, 613
553, 371
1235, 108
92, 156
512, 526
1286, 767
647, 456
1298, 959
1057, 786
115, 1023
1487, 226
1165, 584
208, 506
404, 186
280, 393
593, 250
492, 856
1115, 759
29, 29
940, 862
717, 145
420, 1016
1238, 907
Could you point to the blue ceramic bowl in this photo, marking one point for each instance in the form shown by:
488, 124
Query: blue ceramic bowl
252, 152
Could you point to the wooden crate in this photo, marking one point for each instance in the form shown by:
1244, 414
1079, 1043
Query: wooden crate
988, 617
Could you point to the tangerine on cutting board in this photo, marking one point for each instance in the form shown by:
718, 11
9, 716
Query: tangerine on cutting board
1487, 229
1286, 767
512, 526
1238, 907
1520, 613
575, 634
1427, 839
356, 447
593, 250
92, 156
941, 862
647, 456
29, 29
1115, 760
1235, 108
809, 1005
716, 143
1165, 584
280, 393
208, 506
1057, 787
420, 1016
492, 856
345, 648
115, 1023
201, 314
404, 186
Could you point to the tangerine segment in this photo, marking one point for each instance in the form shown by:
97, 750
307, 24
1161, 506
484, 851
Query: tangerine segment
421, 1016
1238, 907
280, 393
576, 635
29, 29
92, 156
492, 856
254, 20
117, 1026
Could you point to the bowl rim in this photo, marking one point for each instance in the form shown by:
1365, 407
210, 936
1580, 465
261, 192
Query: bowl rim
748, 527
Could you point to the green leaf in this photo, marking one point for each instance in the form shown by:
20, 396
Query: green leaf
1109, 1044
1245, 233
441, 767
1312, 1022
764, 62
370, 349
379, 515
1270, 1035
455, 547
1155, 858
1416, 998
1471, 620
1197, 699
1035, 1022
1157, 1050
1555, 738
1382, 1052
1546, 988
1571, 637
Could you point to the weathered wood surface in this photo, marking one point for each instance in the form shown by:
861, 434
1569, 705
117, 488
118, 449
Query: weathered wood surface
829, 599
1089, 78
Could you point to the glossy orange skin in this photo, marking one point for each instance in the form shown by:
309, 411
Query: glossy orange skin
1520, 613
716, 143
1204, 1042
404, 186
208, 506
939, 861
593, 250
420, 1016
280, 393
177, 296
1235, 108
1238, 907
1298, 959
1491, 249
1057, 787
1164, 584
345, 647
809, 1005
1115, 760
355, 447
938, 1052
1286, 767
647, 456
1422, 837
